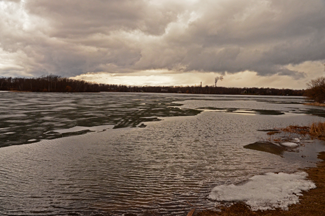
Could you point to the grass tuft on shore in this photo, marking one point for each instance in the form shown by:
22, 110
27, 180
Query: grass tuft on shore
315, 104
302, 130
311, 203
318, 130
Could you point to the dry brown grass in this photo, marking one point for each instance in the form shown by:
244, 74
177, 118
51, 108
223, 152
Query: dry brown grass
318, 130
315, 104
302, 130
191, 212
270, 133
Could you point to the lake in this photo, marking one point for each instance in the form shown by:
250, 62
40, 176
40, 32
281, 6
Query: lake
118, 153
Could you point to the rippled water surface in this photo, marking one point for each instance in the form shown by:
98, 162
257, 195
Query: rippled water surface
116, 153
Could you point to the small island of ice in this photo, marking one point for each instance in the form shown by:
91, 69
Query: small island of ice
264, 192
289, 144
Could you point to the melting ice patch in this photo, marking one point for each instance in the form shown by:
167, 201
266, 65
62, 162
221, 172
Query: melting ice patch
81, 128
263, 192
289, 144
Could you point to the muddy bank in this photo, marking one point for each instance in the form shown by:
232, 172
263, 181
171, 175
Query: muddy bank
311, 203
315, 104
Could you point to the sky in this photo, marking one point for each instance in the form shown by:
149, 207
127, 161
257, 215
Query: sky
251, 43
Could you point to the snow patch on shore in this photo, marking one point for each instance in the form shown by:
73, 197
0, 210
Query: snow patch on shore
81, 128
290, 144
264, 192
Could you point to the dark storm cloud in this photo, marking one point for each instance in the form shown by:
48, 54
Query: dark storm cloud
79, 17
262, 36
15, 1
72, 37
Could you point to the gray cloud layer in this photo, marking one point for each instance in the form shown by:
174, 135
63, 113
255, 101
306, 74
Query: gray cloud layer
71, 37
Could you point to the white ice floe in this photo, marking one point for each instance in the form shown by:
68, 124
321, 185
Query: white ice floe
81, 128
32, 140
296, 140
263, 192
289, 144
71, 130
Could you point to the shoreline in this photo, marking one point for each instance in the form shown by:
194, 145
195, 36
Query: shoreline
315, 104
155, 92
310, 203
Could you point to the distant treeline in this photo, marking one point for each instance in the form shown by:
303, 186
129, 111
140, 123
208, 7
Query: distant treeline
49, 83
54, 83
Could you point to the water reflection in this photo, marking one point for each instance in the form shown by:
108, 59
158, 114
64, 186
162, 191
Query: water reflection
160, 168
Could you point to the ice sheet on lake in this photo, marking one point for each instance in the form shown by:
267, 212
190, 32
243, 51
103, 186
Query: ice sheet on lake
81, 128
263, 192
32, 140
290, 144
296, 140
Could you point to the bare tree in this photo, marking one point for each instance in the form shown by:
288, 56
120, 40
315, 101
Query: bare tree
316, 90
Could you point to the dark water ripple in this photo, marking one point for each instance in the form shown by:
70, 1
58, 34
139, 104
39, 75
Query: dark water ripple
30, 117
164, 168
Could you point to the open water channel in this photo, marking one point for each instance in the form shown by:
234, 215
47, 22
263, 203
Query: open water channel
139, 153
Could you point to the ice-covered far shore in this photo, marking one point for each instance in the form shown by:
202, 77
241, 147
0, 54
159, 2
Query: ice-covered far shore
265, 192
81, 128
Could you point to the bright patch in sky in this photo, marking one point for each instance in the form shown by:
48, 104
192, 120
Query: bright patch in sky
172, 78
253, 43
